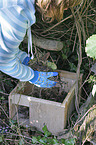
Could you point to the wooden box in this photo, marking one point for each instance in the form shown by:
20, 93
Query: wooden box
42, 111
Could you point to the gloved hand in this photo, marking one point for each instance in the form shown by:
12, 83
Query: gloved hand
26, 61
41, 79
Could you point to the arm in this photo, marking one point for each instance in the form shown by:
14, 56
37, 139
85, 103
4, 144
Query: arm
13, 29
14, 22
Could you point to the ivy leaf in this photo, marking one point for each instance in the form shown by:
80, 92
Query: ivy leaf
55, 141
46, 132
92, 79
34, 139
45, 128
64, 56
70, 142
51, 65
50, 140
1, 139
21, 142
90, 48
72, 66
63, 140
43, 140
2, 98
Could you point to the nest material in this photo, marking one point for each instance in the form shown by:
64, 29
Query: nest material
40, 63
52, 94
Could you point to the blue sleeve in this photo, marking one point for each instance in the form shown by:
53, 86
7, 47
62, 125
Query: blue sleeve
14, 21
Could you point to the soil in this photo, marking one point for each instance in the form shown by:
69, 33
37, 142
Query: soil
53, 94
56, 94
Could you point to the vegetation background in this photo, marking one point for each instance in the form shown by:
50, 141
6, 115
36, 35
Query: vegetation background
77, 25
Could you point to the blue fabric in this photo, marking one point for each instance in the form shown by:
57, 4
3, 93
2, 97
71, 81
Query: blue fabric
26, 61
16, 16
36, 76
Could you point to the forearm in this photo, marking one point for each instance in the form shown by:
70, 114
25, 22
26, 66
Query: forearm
21, 55
13, 29
13, 67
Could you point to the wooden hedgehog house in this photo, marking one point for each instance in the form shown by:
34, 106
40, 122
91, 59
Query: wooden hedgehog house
40, 110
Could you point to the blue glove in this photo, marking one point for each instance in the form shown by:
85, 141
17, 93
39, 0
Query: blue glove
41, 79
26, 61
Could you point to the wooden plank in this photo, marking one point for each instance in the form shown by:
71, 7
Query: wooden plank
20, 99
69, 104
49, 114
24, 100
67, 74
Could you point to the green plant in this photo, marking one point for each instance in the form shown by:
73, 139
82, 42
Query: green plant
48, 138
1, 138
45, 137
90, 49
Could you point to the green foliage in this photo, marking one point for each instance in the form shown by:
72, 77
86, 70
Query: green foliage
48, 138
46, 132
51, 65
91, 46
91, 52
66, 49
41, 138
21, 142
70, 142
2, 98
72, 67
92, 79
1, 138
63, 31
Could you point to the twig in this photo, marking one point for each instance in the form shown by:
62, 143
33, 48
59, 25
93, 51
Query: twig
7, 139
60, 22
87, 137
7, 125
4, 112
85, 80
87, 6
83, 7
19, 135
93, 107
74, 42
85, 91
79, 52
3, 93
91, 20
